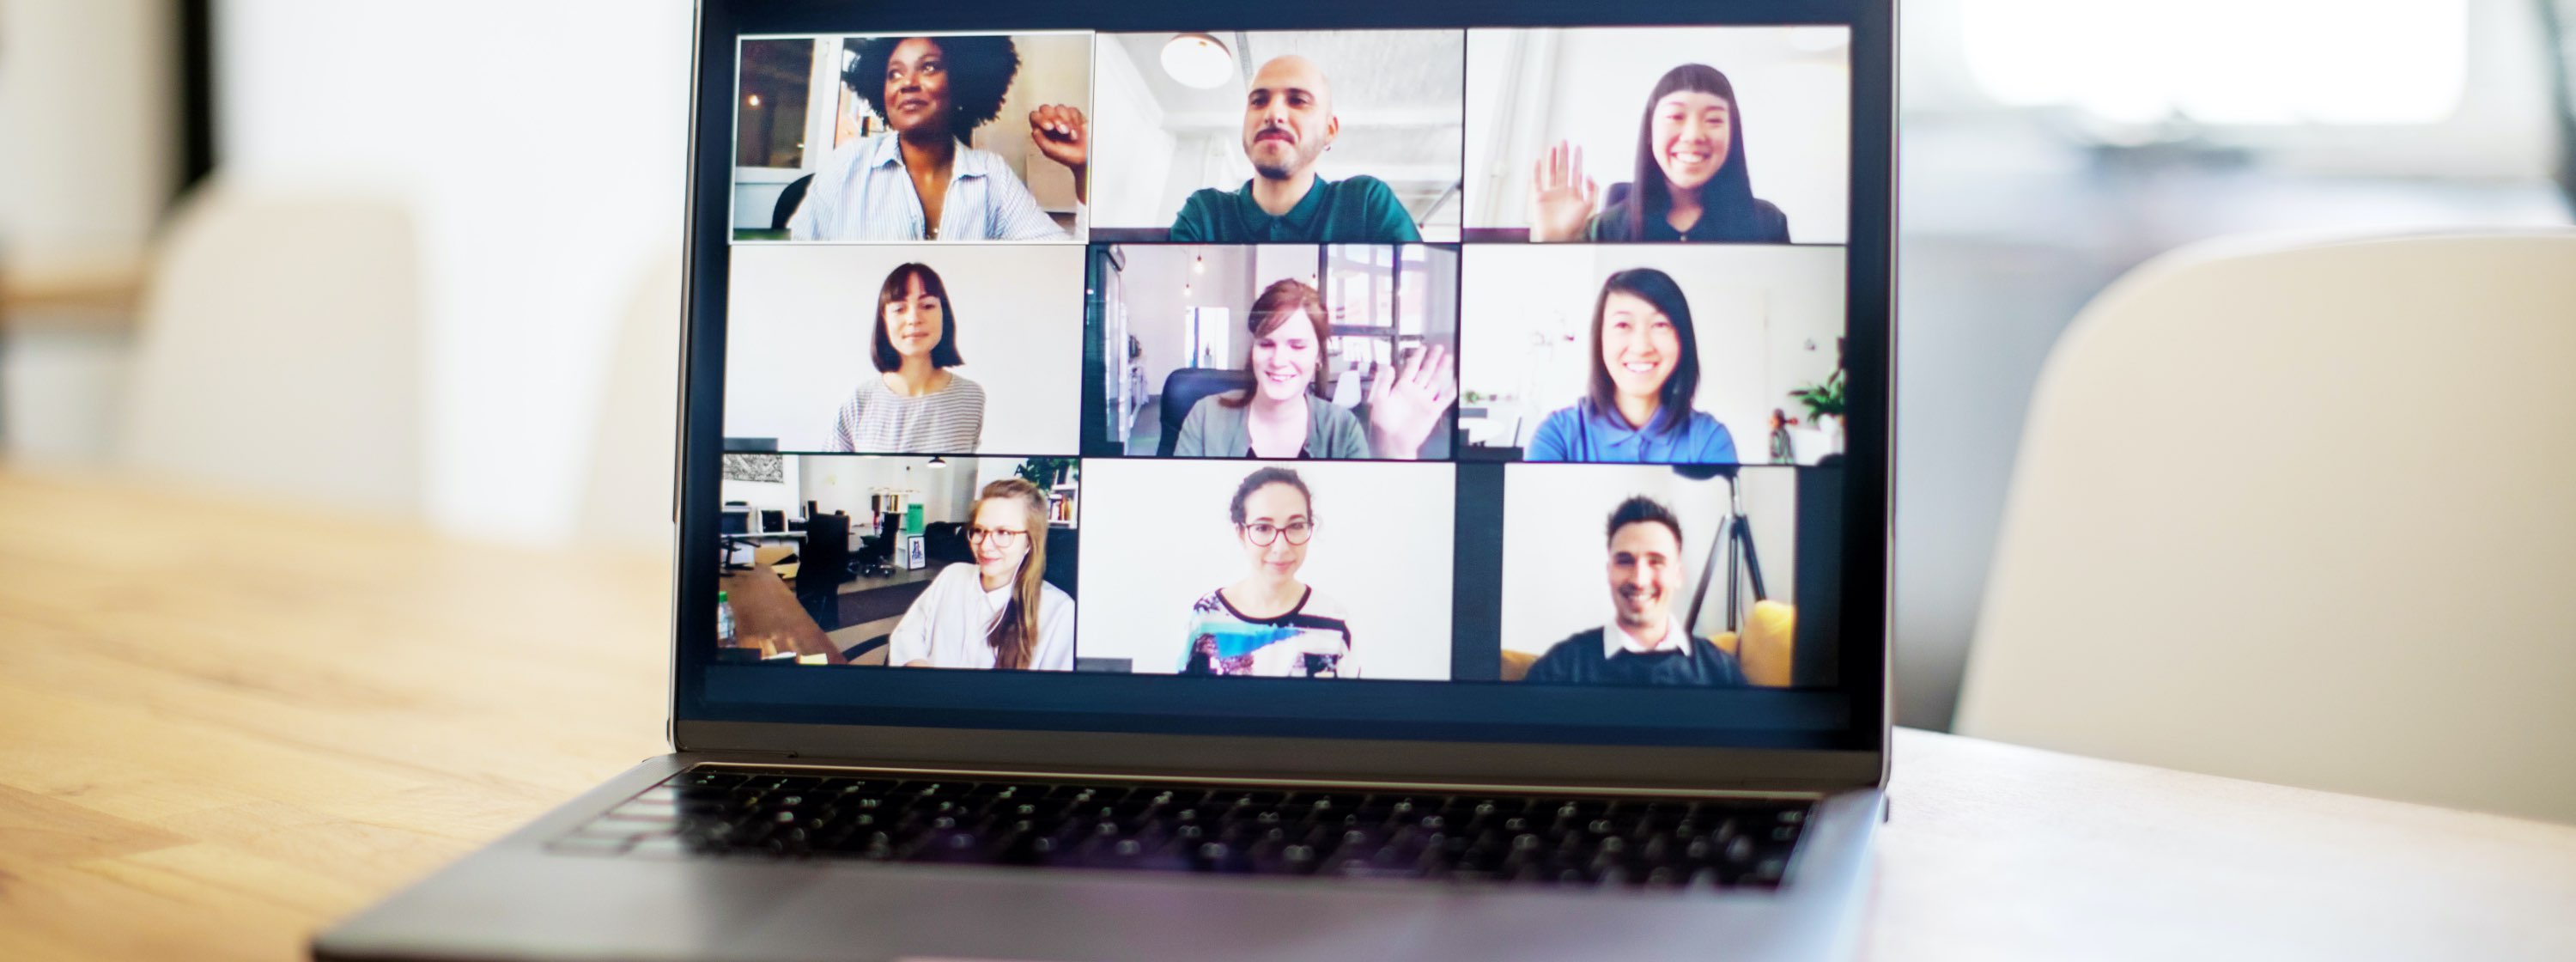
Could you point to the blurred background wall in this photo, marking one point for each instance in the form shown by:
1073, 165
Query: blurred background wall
534, 148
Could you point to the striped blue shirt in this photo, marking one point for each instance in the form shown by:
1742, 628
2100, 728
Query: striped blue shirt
862, 193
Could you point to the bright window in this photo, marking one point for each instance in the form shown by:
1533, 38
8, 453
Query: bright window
2224, 61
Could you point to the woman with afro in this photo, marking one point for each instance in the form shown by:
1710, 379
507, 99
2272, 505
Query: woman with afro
921, 181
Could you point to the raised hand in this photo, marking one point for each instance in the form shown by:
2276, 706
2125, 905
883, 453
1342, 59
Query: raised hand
1061, 134
1405, 406
1561, 197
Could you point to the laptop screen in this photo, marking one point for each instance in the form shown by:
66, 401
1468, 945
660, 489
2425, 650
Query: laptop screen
1298, 373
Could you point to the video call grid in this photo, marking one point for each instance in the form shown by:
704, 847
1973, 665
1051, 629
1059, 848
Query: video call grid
1459, 451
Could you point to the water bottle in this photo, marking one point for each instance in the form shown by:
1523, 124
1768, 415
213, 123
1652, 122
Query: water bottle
724, 620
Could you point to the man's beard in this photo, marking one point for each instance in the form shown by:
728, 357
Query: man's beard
1279, 169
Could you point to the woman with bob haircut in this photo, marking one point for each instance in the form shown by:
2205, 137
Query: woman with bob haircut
1267, 623
1689, 182
998, 612
1645, 372
921, 181
913, 404
1285, 415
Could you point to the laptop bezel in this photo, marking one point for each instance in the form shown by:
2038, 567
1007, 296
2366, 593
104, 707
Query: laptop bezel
1869, 457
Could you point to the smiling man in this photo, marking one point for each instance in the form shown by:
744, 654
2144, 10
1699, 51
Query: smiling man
1644, 643
1288, 123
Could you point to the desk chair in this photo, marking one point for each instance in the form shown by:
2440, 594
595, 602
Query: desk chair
790, 198
875, 558
823, 564
2303, 514
1183, 390
279, 350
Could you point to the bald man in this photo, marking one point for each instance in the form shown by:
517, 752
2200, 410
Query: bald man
1288, 122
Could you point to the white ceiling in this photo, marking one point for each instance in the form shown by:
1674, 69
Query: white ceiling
1401, 94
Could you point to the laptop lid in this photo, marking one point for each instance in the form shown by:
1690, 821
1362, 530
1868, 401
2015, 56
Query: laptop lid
1491, 392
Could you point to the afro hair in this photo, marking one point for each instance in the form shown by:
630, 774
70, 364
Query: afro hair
979, 73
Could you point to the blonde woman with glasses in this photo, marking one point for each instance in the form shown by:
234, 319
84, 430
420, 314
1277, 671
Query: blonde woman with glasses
998, 612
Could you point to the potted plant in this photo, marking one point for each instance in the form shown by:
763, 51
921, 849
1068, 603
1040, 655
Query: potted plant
1824, 402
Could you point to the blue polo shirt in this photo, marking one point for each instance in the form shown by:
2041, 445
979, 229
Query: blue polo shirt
1586, 433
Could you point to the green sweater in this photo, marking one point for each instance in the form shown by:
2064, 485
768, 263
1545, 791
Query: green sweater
1214, 430
1359, 210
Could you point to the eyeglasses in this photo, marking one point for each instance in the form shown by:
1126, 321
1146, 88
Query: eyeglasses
1263, 533
1001, 536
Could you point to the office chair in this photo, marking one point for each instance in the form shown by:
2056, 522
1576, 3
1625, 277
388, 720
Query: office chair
876, 556
821, 567
944, 542
788, 200
1183, 390
1061, 544
2300, 514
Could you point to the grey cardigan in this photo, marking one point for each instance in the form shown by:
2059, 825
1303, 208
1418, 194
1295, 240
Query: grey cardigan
1214, 430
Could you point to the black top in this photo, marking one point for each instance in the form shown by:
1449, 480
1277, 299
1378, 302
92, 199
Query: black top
1770, 226
1579, 661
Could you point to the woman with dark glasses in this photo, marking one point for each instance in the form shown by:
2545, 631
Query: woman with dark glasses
1267, 623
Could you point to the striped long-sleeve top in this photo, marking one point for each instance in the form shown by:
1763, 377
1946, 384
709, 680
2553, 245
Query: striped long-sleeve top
878, 421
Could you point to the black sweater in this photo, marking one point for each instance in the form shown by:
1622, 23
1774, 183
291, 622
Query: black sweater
1579, 661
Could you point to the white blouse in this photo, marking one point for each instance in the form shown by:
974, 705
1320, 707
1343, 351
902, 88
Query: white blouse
948, 625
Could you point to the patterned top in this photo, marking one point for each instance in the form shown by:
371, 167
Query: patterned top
861, 192
878, 421
1224, 641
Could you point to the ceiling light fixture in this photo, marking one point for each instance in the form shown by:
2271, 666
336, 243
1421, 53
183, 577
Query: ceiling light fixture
1197, 60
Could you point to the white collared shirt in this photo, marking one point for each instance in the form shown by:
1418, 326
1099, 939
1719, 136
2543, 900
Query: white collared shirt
1615, 639
862, 193
948, 626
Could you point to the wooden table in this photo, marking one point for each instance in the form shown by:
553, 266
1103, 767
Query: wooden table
768, 617
222, 727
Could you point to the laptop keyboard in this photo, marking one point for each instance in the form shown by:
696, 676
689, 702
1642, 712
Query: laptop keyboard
1486, 838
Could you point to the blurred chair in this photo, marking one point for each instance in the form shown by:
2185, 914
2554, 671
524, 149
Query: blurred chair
2307, 515
281, 350
1182, 391
788, 200
823, 562
634, 460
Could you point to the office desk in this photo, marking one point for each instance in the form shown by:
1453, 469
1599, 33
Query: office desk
767, 616
210, 748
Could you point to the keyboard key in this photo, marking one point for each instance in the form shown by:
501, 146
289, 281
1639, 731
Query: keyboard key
1482, 839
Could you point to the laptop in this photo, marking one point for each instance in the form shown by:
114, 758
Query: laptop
1326, 480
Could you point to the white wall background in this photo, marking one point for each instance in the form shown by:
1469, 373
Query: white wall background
1216, 275
1532, 88
1161, 537
844, 482
1147, 159
1766, 316
1555, 543
801, 327
541, 145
